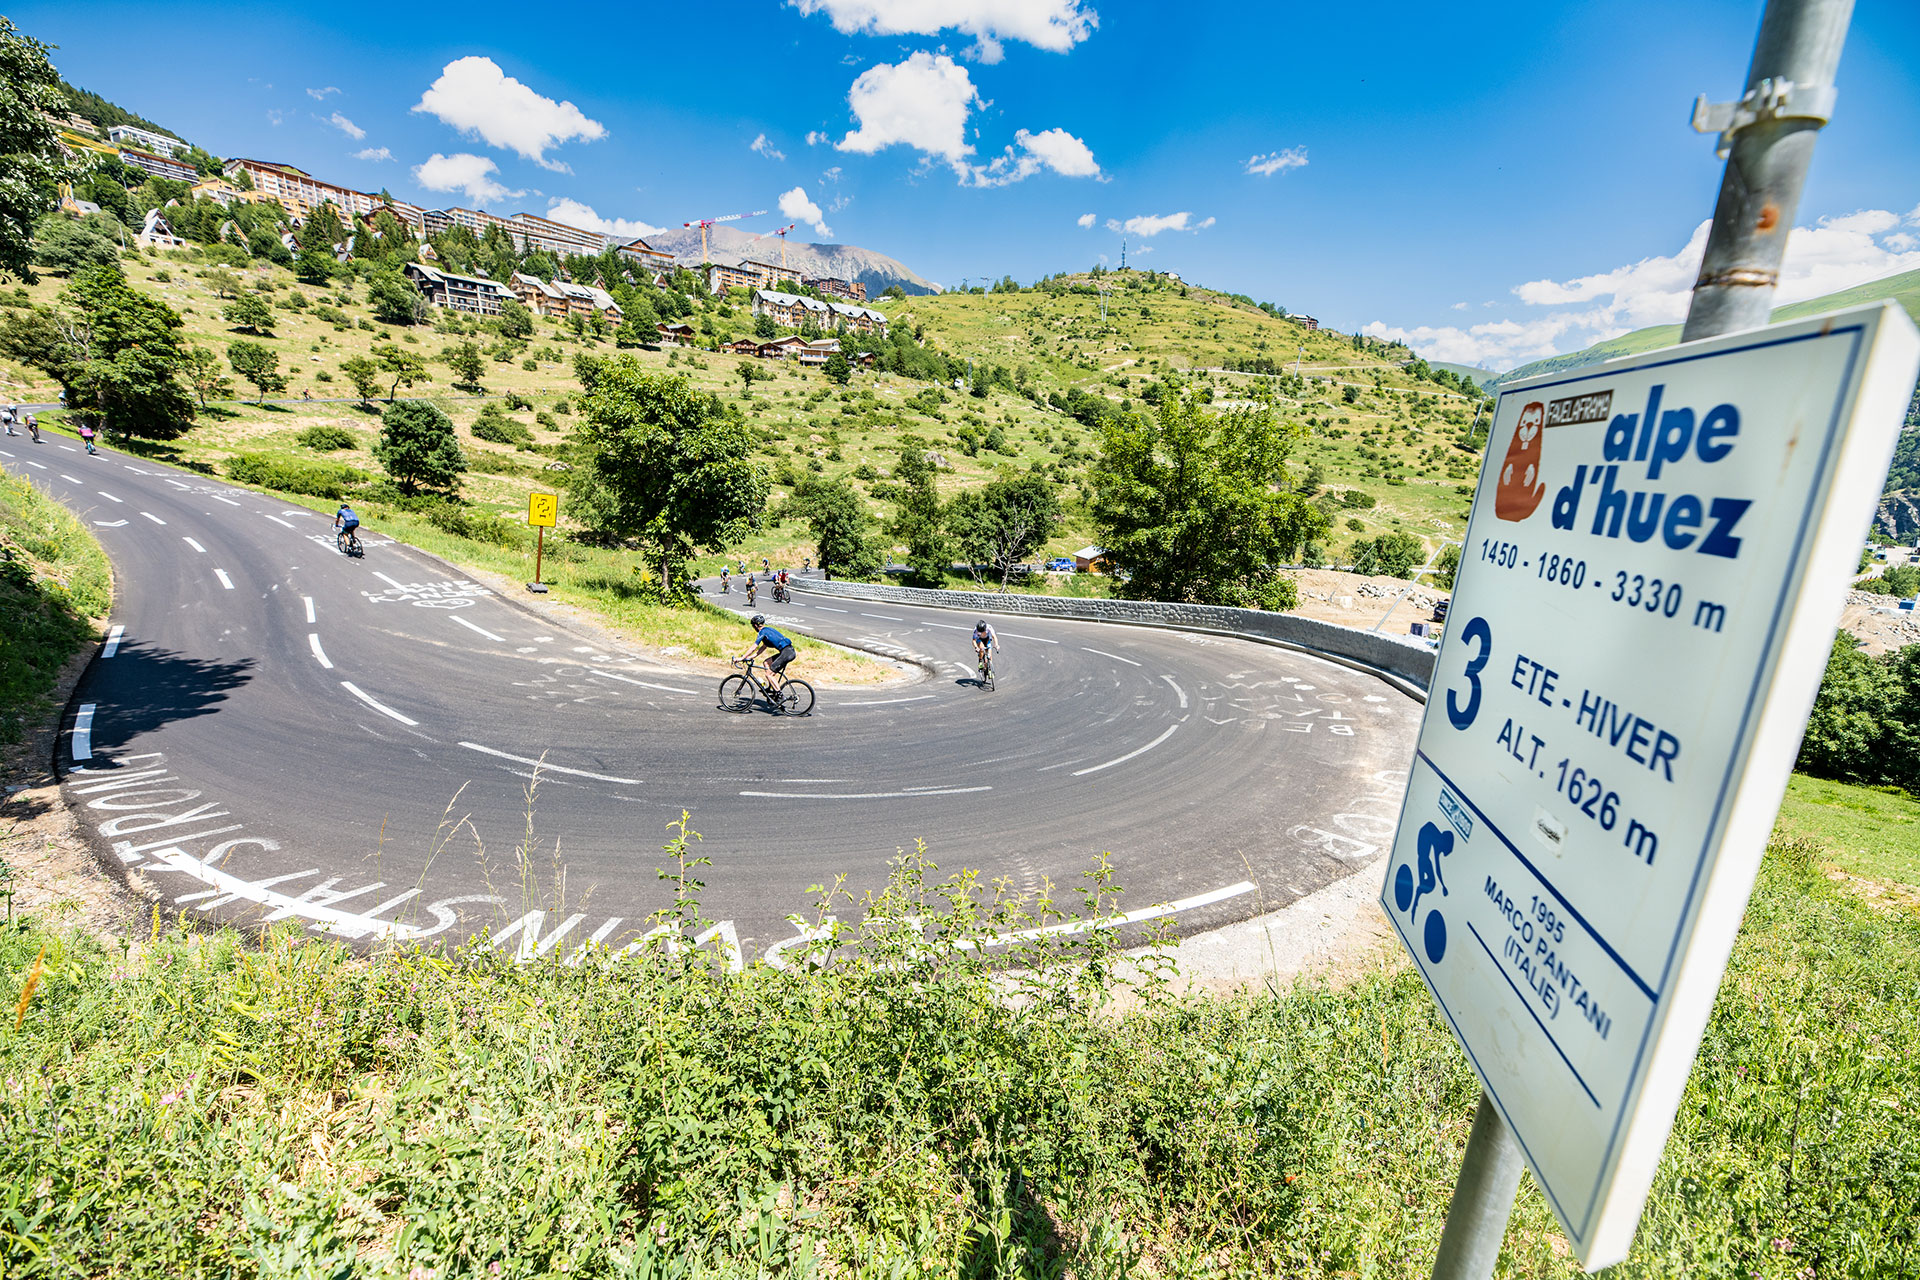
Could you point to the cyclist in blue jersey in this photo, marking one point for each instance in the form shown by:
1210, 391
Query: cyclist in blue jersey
767, 640
346, 527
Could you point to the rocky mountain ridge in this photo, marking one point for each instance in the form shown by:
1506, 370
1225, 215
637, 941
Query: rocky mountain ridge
845, 261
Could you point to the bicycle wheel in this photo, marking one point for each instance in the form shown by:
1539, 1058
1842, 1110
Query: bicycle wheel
796, 699
736, 694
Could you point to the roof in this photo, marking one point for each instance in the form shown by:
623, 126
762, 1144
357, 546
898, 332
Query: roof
1089, 553
435, 273
523, 278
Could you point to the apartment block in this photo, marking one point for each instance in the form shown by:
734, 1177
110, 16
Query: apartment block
531, 231
655, 260
796, 311
538, 296
146, 140
159, 166
721, 278
834, 287
300, 193
458, 293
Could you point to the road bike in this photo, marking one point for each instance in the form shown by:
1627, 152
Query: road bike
753, 593
787, 698
781, 595
348, 540
985, 667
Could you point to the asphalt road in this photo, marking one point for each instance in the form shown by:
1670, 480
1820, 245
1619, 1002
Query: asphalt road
276, 731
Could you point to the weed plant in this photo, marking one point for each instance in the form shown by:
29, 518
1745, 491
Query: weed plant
942, 1080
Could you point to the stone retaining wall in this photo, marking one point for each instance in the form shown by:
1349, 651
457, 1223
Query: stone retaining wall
1407, 662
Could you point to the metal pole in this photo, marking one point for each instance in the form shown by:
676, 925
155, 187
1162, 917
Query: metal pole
1482, 1199
1768, 139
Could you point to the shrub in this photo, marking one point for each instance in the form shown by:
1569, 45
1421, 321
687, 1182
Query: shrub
466, 522
517, 401
496, 426
295, 475
327, 437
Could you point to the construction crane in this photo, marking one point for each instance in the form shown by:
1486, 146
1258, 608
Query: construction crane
704, 223
782, 233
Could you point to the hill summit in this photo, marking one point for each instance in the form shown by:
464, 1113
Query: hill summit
844, 261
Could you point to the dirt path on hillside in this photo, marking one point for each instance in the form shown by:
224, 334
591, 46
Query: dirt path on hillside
1356, 600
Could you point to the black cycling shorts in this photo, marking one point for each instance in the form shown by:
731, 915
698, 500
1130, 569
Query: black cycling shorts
778, 662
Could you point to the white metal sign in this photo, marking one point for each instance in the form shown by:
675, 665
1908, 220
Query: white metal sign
1656, 562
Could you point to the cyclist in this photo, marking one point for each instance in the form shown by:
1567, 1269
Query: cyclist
346, 526
726, 581
771, 641
753, 591
764, 566
984, 641
805, 565
33, 428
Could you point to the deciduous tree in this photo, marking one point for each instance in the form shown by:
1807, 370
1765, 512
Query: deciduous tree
251, 312
201, 369
66, 246
32, 161
365, 377
1003, 522
467, 364
418, 447
664, 466
394, 300
404, 367
917, 521
259, 365
844, 532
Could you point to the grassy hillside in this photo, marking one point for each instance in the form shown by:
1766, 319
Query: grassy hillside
54, 581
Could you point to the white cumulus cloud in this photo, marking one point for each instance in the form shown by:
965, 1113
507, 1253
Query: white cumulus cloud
1837, 252
921, 103
815, 138
346, 126
1085, 220
575, 214
466, 173
1054, 25
794, 204
373, 153
320, 95
1152, 224
765, 148
1277, 162
475, 96
1054, 149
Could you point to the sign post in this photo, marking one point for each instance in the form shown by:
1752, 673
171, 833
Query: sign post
543, 512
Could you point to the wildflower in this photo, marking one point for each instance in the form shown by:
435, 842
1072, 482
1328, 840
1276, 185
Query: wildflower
170, 1097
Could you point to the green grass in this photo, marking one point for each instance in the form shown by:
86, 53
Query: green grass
1870, 832
197, 1107
54, 579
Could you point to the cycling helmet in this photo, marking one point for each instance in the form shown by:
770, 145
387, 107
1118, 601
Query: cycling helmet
759, 619
980, 625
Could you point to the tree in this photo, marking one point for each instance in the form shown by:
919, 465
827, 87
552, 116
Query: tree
1192, 504
251, 312
259, 365
1004, 522
467, 364
515, 321
404, 367
201, 369
66, 246
917, 521
750, 373
32, 161
394, 300
223, 282
765, 329
418, 447
365, 376
838, 368
1396, 555
843, 530
664, 466
318, 238
115, 352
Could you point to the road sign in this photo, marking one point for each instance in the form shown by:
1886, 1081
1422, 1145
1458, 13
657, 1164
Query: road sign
543, 510
1652, 576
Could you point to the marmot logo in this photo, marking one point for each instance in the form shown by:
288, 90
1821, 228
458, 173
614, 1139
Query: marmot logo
1521, 487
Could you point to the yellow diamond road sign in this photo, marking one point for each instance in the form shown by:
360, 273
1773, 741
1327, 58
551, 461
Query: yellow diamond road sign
543, 509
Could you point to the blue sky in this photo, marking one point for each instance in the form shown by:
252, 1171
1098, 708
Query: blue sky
1491, 187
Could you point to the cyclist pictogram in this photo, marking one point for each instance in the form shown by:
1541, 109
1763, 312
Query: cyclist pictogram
1435, 844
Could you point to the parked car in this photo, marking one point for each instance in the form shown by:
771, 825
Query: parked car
1060, 564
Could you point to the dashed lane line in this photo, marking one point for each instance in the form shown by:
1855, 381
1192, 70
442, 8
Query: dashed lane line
829, 609
38, 466
882, 702
313, 640
277, 520
113, 641
863, 795
196, 546
544, 767
884, 617
156, 519
1177, 689
109, 497
83, 732
225, 581
1116, 657
309, 603
474, 626
614, 675
229, 501
376, 704
71, 479
1137, 751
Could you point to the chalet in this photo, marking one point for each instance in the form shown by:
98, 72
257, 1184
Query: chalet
1306, 322
815, 353
587, 300
458, 293
679, 333
538, 296
796, 311
782, 348
742, 347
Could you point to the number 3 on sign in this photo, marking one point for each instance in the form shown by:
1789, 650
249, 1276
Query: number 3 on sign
542, 510
1480, 635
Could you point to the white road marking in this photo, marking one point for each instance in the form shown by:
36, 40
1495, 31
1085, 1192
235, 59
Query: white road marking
177, 484
229, 501
389, 581
5, 454
39, 466
1137, 751
156, 519
382, 708
225, 581
614, 675
1113, 922
308, 599
1116, 657
829, 608
887, 617
71, 479
137, 471
471, 626
945, 626
313, 639
113, 641
83, 732
863, 795
277, 520
109, 497
544, 767
882, 702
1017, 636
202, 550
110, 524
1177, 689
69, 448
